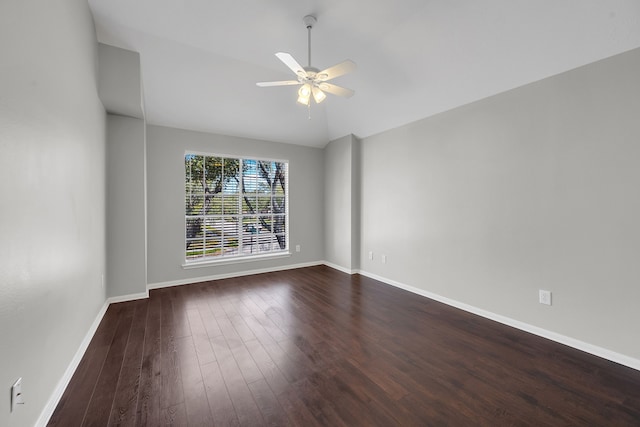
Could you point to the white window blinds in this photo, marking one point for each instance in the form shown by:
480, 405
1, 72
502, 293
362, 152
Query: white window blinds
234, 207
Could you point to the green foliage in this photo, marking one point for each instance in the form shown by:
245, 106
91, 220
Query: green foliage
213, 189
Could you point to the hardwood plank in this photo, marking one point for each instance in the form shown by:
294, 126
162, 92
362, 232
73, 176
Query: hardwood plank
75, 400
180, 322
174, 416
123, 411
149, 408
296, 409
269, 370
103, 396
200, 337
268, 404
247, 365
350, 409
292, 369
195, 398
229, 332
242, 329
246, 410
222, 409
315, 347
259, 331
317, 404
369, 392
171, 391
206, 315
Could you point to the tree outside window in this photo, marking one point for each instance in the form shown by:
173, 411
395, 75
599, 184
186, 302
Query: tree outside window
234, 207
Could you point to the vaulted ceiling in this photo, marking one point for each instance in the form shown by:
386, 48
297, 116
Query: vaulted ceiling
200, 59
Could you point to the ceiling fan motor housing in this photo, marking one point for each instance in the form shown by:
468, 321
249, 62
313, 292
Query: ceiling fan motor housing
309, 21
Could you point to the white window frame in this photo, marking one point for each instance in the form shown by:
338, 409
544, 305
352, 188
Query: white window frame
240, 256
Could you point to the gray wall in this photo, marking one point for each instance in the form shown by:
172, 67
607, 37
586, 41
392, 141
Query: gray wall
356, 202
341, 208
126, 201
165, 203
533, 188
120, 91
52, 196
120, 84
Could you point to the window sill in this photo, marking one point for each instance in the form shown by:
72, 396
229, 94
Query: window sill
236, 260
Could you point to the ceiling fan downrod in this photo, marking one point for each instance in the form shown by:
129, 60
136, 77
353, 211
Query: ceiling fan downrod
309, 22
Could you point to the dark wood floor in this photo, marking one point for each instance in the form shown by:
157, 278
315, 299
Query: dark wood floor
317, 347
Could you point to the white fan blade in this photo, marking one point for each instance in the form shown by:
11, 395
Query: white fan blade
337, 70
291, 63
336, 90
280, 83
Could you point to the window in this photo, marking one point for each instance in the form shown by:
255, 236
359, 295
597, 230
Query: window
234, 207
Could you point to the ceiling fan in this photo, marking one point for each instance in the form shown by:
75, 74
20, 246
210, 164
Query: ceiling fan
313, 81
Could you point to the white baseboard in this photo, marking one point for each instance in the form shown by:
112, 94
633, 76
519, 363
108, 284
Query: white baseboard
55, 397
339, 267
130, 297
180, 282
553, 336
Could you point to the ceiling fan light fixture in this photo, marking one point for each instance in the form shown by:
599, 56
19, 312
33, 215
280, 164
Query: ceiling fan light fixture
304, 94
318, 95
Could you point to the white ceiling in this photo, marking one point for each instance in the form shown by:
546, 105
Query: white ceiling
200, 59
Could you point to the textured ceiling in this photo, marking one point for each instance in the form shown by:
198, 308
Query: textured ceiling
200, 59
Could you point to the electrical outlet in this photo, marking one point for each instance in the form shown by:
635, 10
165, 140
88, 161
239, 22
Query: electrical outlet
16, 394
544, 297
384, 259
297, 248
371, 255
